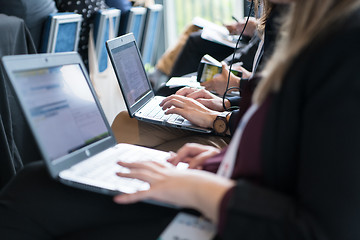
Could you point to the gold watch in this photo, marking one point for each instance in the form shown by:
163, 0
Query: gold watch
220, 124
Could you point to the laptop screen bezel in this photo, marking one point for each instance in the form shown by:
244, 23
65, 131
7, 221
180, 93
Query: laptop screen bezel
14, 64
112, 45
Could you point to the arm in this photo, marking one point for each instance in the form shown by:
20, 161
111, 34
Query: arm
186, 188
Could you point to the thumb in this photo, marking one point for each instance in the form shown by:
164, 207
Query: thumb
224, 68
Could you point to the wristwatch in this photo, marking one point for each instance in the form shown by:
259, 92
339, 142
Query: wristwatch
220, 124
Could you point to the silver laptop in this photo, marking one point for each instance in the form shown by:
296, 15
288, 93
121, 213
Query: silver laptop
69, 125
138, 94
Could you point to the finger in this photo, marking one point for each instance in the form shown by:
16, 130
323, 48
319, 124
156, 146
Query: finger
197, 161
197, 94
165, 100
173, 103
160, 165
224, 69
148, 165
172, 158
185, 91
171, 97
189, 150
178, 111
141, 174
132, 198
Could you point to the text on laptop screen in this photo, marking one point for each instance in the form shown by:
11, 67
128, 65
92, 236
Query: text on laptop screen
130, 69
62, 108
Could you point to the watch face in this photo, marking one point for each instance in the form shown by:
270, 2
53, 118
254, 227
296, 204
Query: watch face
220, 125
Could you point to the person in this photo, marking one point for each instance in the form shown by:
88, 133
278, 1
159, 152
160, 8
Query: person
185, 56
295, 174
196, 47
34, 13
168, 139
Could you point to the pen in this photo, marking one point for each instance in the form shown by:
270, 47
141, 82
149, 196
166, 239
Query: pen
233, 17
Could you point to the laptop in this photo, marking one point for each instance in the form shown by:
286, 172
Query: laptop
69, 125
138, 94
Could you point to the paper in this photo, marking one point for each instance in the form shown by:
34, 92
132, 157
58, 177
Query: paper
183, 81
188, 227
218, 37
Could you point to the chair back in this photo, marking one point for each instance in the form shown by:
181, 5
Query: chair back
17, 145
102, 31
136, 23
61, 33
151, 35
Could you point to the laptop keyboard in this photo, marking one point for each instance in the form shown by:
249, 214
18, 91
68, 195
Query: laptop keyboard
154, 111
100, 170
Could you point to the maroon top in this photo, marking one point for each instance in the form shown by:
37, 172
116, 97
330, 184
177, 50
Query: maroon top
248, 160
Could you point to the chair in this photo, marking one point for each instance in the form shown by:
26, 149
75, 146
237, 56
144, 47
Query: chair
17, 145
61, 33
101, 33
136, 22
151, 34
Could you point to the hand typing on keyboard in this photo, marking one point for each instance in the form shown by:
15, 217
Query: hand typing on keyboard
189, 109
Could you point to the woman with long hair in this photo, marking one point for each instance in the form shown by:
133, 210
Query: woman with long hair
290, 172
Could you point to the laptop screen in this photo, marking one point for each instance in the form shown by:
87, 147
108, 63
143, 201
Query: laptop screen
62, 108
130, 70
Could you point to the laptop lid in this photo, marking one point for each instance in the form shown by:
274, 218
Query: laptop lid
60, 106
129, 69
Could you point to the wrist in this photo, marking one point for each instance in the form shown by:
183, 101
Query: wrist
220, 123
211, 118
227, 104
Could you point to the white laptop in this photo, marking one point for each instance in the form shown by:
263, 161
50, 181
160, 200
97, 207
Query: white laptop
138, 94
69, 125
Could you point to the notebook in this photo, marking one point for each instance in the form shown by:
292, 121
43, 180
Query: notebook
138, 94
69, 125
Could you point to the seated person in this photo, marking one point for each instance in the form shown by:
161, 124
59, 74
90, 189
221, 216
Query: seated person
34, 13
164, 138
196, 47
185, 56
287, 176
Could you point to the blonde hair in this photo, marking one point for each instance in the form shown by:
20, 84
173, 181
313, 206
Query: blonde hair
305, 21
265, 13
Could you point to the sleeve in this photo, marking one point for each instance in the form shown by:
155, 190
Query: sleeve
234, 101
233, 121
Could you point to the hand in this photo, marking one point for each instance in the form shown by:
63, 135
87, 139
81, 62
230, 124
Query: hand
186, 188
245, 73
237, 27
219, 82
190, 109
204, 97
194, 154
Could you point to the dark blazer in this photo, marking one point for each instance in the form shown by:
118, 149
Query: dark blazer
310, 149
